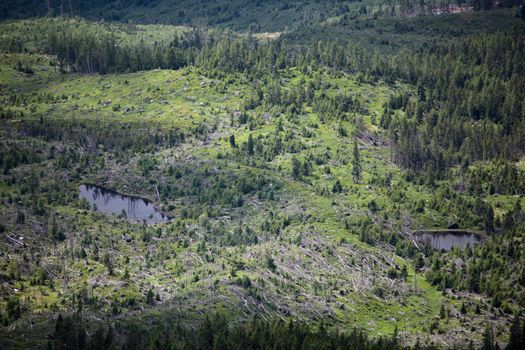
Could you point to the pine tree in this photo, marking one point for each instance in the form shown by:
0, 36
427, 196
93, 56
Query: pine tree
250, 145
232, 142
296, 168
337, 188
488, 339
356, 164
150, 297
516, 340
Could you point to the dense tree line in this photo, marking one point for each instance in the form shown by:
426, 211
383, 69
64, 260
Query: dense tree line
498, 177
212, 333
220, 187
253, 15
517, 334
427, 7
88, 49
89, 136
216, 333
13, 155
468, 104
241, 14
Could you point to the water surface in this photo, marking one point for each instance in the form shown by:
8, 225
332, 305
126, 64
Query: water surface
446, 240
136, 209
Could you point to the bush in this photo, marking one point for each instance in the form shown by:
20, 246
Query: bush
244, 281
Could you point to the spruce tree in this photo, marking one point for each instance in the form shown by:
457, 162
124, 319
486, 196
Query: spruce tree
232, 142
296, 168
356, 164
516, 340
250, 145
488, 339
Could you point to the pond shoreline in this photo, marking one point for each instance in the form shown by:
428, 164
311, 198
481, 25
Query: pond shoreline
121, 193
456, 231
447, 239
156, 215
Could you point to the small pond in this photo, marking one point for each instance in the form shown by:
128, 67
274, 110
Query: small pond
136, 209
447, 239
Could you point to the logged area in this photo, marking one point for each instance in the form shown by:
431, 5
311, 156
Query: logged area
262, 175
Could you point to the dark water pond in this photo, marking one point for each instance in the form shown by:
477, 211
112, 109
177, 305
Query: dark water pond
446, 240
136, 209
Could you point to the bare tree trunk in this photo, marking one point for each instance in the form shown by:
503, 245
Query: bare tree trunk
70, 9
49, 8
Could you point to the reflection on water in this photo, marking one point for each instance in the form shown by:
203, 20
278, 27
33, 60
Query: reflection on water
136, 209
448, 240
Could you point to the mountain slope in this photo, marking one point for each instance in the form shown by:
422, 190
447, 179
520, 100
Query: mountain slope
266, 15
297, 175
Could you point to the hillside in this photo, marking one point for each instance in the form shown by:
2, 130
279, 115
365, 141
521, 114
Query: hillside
266, 15
175, 186
257, 16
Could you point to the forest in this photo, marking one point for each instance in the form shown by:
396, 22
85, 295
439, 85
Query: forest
262, 174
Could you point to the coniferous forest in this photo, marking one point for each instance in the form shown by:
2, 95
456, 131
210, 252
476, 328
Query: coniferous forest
297, 174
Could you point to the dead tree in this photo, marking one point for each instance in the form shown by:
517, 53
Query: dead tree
49, 8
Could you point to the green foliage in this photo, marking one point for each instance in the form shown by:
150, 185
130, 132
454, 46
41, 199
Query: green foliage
108, 262
270, 263
13, 309
482, 113
483, 266
488, 339
215, 333
246, 15
244, 281
517, 335
296, 168
356, 164
150, 297
70, 333
337, 188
